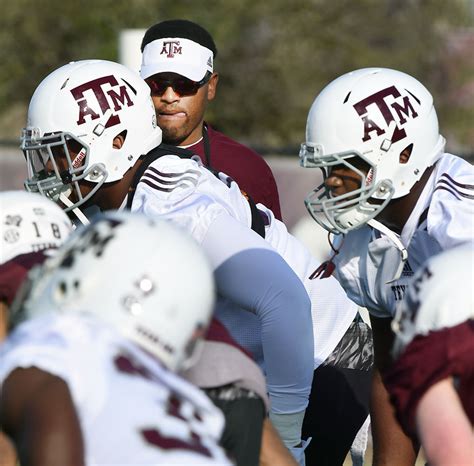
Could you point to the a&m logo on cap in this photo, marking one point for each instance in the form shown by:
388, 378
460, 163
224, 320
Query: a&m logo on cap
171, 48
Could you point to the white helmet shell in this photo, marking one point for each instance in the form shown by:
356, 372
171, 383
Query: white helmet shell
145, 277
373, 114
91, 102
30, 223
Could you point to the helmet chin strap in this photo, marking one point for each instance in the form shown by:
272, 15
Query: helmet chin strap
76, 211
396, 240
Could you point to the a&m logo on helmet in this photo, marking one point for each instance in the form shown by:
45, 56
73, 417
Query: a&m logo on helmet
393, 107
109, 95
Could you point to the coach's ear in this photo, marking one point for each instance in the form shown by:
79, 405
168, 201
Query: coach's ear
212, 86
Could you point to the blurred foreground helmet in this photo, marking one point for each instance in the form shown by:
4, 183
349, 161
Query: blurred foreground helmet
440, 295
74, 116
372, 114
30, 223
146, 278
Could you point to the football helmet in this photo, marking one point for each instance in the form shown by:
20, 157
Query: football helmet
162, 299
430, 303
74, 116
372, 114
30, 223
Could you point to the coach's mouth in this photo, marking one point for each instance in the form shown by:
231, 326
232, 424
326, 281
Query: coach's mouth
171, 116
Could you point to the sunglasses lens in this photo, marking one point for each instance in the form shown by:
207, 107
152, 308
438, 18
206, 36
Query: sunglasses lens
182, 86
157, 87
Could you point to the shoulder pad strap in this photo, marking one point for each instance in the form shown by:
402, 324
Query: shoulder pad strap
156, 153
258, 223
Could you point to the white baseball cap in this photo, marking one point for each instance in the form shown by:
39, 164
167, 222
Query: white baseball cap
176, 55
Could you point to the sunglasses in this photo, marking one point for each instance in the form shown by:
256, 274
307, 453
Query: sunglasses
181, 85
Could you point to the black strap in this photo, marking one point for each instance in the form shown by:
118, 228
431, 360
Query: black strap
156, 153
258, 224
423, 217
207, 146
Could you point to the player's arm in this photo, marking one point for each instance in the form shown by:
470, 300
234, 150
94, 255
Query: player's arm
3, 320
443, 427
255, 277
391, 445
37, 412
273, 451
7, 451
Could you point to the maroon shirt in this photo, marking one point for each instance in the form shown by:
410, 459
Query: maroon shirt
247, 168
14, 272
428, 360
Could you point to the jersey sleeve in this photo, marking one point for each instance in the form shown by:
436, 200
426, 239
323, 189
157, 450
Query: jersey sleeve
451, 220
427, 360
30, 345
257, 279
451, 212
47, 343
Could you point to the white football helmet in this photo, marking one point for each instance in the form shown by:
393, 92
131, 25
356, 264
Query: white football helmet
85, 105
440, 295
145, 277
371, 114
30, 223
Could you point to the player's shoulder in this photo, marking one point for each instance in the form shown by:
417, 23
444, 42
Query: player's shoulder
58, 330
43, 342
170, 173
172, 165
451, 205
454, 177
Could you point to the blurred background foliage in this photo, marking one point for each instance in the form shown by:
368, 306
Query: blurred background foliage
274, 56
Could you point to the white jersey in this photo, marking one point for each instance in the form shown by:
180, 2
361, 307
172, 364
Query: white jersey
178, 186
442, 219
186, 193
440, 295
332, 311
131, 409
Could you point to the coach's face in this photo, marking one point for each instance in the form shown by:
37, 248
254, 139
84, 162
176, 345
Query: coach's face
181, 117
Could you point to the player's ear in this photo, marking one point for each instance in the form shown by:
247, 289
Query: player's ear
405, 154
119, 140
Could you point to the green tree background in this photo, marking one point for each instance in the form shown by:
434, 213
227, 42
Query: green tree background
274, 56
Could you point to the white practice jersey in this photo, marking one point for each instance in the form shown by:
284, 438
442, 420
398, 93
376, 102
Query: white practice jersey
442, 219
178, 186
440, 295
131, 409
331, 309
188, 194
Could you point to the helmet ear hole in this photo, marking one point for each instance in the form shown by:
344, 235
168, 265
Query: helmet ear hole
405, 154
119, 140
